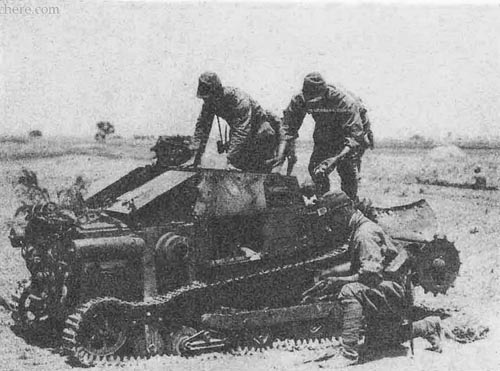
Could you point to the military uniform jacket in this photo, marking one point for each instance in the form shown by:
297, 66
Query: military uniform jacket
337, 117
242, 114
372, 251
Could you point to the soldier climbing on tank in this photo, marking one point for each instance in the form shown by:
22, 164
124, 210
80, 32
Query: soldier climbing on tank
253, 132
338, 134
372, 287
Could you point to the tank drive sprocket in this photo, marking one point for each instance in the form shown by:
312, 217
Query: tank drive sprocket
438, 265
96, 331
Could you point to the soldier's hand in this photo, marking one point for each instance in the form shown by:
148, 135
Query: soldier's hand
231, 167
326, 166
320, 169
280, 156
276, 161
265, 130
191, 163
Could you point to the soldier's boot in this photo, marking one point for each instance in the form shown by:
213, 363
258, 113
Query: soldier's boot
431, 330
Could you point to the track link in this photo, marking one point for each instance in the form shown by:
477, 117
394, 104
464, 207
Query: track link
72, 333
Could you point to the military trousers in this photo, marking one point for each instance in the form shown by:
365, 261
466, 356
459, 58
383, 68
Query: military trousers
259, 148
382, 308
348, 170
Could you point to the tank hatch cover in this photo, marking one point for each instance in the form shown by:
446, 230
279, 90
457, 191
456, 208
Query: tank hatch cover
413, 222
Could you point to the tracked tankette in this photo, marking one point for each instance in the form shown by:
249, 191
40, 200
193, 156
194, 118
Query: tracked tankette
173, 261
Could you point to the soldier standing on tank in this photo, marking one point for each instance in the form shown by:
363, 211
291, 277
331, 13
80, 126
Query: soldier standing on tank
373, 287
338, 134
253, 132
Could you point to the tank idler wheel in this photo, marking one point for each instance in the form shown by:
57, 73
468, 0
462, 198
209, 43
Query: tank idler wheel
176, 343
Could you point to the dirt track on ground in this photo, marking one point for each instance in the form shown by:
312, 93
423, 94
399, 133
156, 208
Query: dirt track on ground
468, 217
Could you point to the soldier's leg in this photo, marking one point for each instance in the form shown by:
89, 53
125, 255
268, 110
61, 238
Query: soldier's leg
262, 148
386, 311
352, 318
357, 162
360, 302
352, 322
321, 181
348, 172
291, 157
386, 304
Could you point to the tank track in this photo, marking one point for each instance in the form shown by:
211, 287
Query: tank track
161, 303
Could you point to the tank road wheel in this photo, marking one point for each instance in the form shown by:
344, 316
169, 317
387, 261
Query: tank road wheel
149, 343
96, 332
176, 343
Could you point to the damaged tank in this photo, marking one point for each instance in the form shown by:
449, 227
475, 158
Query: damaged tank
174, 261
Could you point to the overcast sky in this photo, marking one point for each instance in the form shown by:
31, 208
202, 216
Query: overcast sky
420, 69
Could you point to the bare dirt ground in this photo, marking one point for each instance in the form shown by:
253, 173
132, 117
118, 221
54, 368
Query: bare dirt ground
470, 218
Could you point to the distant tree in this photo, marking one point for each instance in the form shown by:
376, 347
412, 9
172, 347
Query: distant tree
104, 128
35, 134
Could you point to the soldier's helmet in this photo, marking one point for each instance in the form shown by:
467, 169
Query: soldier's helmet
335, 209
338, 206
314, 87
209, 85
335, 200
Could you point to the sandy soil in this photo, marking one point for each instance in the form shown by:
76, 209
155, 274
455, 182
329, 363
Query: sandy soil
468, 217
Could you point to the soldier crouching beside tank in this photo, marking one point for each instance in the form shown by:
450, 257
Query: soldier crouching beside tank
372, 286
253, 135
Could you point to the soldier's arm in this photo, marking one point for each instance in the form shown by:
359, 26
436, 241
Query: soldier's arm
202, 132
353, 130
370, 258
343, 269
369, 244
293, 116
